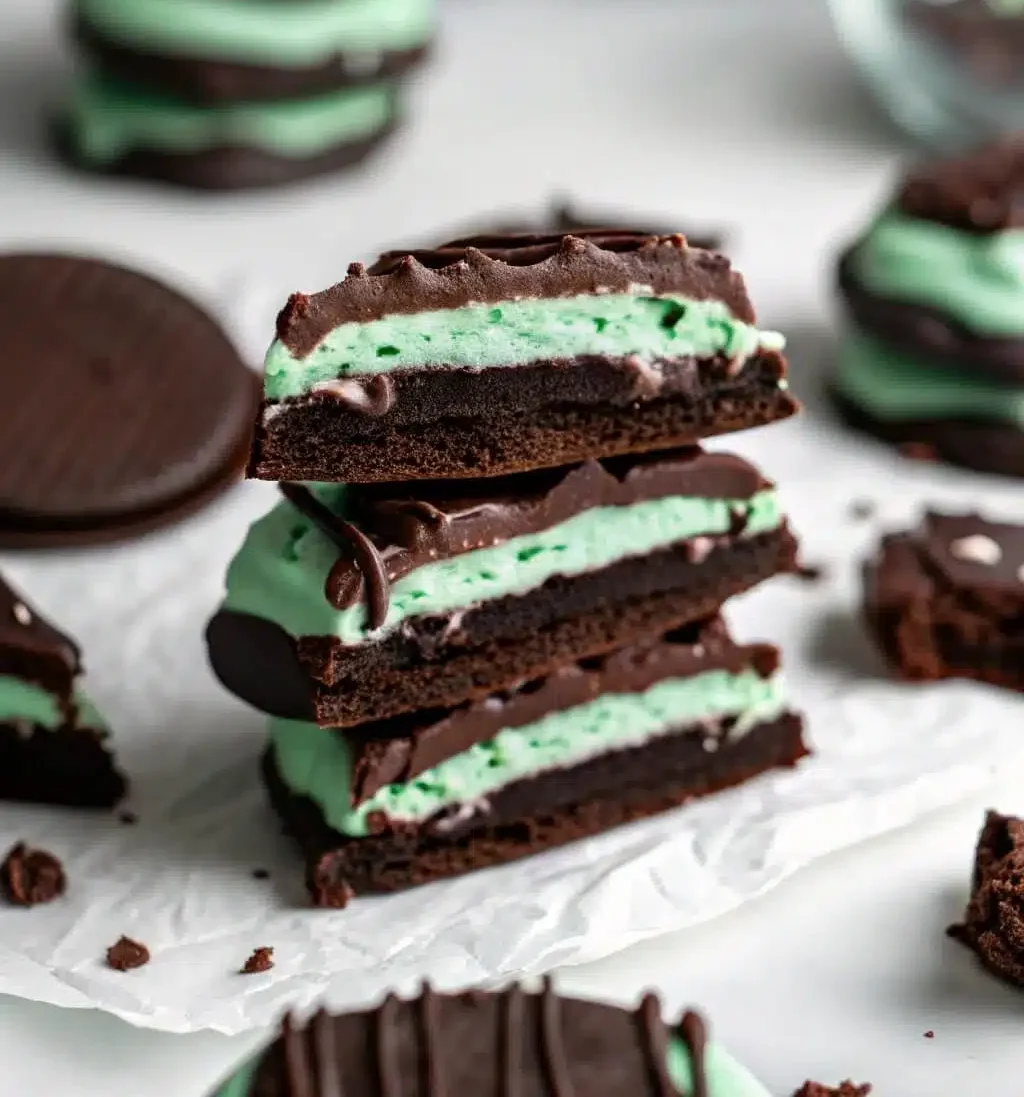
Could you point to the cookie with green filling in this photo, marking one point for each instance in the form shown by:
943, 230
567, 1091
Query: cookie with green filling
507, 1044
501, 354
52, 739
592, 745
212, 52
932, 351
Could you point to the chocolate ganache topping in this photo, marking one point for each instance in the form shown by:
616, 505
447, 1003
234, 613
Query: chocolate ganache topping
390, 530
536, 1045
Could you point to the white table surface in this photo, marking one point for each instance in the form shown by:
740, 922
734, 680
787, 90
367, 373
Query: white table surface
732, 112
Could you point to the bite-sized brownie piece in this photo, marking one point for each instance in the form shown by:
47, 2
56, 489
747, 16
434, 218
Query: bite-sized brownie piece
605, 741
512, 1043
993, 926
501, 354
52, 739
352, 604
946, 600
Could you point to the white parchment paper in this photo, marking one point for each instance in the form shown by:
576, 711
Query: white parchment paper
181, 879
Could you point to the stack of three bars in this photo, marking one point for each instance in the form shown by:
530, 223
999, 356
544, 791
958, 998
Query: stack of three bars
484, 618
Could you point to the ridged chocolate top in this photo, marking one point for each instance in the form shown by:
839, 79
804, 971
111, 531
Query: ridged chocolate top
982, 192
400, 749
510, 1044
32, 648
490, 269
391, 529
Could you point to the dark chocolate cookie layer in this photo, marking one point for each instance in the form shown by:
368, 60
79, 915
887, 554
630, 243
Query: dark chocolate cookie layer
215, 82
440, 662
928, 332
533, 815
511, 420
226, 168
993, 926
984, 447
945, 600
69, 767
125, 405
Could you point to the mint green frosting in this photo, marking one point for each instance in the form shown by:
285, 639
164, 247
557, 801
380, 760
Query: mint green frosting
889, 384
280, 571
316, 763
21, 700
108, 120
976, 279
614, 325
280, 33
725, 1076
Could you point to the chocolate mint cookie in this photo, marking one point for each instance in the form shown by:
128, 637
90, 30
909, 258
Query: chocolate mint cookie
946, 600
594, 744
508, 1043
52, 739
993, 926
348, 604
501, 354
126, 407
933, 354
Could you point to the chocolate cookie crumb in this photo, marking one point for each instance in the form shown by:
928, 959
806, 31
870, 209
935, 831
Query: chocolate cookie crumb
262, 959
127, 954
929, 1035
862, 509
993, 925
810, 573
260, 874
844, 1089
31, 876
129, 818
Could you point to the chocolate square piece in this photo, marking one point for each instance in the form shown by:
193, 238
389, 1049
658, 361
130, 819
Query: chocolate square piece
946, 600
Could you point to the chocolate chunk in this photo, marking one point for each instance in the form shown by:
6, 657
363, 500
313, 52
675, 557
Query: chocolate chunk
490, 269
31, 876
844, 1089
981, 192
945, 600
127, 954
132, 408
262, 959
993, 926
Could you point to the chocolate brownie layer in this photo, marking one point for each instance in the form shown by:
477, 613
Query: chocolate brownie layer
929, 332
208, 81
993, 926
68, 766
235, 167
605, 343
946, 600
461, 423
510, 1043
533, 815
974, 444
442, 661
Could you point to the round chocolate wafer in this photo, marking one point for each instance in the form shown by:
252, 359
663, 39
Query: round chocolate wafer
125, 405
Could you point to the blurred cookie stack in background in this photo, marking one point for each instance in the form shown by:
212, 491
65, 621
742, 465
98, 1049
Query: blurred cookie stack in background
219, 95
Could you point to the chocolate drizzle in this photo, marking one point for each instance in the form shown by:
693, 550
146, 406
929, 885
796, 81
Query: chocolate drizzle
328, 1069
387, 1065
694, 1035
512, 1041
300, 1077
433, 1043
352, 541
556, 1066
656, 1045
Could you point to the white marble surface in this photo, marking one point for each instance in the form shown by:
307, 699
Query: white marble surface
742, 113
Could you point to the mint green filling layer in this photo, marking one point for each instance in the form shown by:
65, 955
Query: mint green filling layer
725, 1076
977, 279
21, 700
281, 33
280, 571
317, 764
517, 332
109, 120
889, 384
